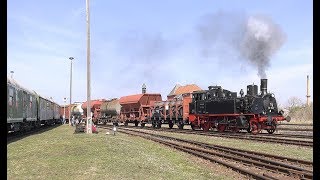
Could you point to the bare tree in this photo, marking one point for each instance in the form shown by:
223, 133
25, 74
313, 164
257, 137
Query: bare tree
294, 102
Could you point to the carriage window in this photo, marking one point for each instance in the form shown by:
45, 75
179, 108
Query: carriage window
30, 101
10, 96
17, 98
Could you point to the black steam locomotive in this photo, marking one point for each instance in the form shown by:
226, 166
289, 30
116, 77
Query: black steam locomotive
222, 109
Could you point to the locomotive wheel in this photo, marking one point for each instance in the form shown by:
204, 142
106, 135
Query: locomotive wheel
255, 128
136, 124
180, 126
154, 125
126, 123
142, 125
221, 127
206, 126
271, 131
235, 129
170, 125
192, 127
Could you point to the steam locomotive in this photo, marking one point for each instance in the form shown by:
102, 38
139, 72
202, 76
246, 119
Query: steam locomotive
222, 109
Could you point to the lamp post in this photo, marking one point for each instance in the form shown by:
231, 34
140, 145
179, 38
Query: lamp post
71, 58
64, 110
11, 72
89, 121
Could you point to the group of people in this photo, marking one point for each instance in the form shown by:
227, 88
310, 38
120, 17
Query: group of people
74, 120
78, 120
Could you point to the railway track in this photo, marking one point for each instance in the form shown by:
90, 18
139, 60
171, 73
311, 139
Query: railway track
294, 129
266, 135
255, 138
295, 124
253, 164
260, 138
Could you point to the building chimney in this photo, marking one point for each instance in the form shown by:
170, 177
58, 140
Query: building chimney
263, 86
308, 96
144, 88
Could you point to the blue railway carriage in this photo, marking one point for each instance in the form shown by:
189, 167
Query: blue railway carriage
21, 107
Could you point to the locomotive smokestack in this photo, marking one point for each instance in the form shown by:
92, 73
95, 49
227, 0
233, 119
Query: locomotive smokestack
263, 86
144, 88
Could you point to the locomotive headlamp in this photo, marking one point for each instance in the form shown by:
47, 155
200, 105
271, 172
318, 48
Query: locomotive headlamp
272, 95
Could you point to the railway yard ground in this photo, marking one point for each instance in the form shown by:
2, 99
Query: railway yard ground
59, 153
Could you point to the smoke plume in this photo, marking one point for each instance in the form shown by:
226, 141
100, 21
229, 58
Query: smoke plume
252, 38
262, 38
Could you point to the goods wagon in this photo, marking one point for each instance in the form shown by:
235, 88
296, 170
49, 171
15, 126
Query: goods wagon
76, 110
94, 109
136, 108
110, 111
173, 111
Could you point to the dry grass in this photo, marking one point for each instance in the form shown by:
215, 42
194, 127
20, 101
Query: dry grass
60, 154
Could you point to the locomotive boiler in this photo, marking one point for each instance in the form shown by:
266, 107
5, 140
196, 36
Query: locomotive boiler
224, 110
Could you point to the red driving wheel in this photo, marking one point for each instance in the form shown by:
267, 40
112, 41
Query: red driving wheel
221, 127
206, 126
254, 128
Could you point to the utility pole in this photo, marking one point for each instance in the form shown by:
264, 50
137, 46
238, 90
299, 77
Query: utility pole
71, 58
308, 96
89, 120
64, 110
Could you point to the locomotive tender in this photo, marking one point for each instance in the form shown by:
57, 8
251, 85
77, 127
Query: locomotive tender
222, 109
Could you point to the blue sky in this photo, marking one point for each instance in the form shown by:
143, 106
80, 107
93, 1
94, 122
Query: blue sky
152, 42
